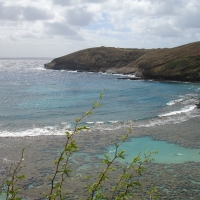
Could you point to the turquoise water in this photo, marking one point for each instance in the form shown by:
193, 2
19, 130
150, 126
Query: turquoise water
35, 101
3, 197
167, 152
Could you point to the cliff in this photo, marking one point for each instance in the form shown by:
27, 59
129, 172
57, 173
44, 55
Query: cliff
180, 63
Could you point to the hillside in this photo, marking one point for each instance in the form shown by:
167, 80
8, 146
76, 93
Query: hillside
180, 63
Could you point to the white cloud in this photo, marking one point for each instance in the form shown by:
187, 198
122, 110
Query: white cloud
79, 17
29, 13
66, 26
61, 29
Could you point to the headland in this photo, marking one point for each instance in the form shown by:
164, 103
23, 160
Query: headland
180, 63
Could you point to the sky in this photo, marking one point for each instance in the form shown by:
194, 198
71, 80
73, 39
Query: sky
54, 28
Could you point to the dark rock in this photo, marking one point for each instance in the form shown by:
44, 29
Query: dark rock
198, 105
175, 64
129, 78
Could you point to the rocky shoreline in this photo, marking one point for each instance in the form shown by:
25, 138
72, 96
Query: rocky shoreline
175, 64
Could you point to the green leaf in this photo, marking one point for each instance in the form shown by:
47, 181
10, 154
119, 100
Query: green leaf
83, 128
112, 169
68, 133
101, 94
78, 120
113, 188
88, 176
55, 162
21, 177
7, 182
67, 171
95, 104
105, 161
136, 159
120, 154
89, 113
123, 137
106, 156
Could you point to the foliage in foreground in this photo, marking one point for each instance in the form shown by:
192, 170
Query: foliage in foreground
125, 186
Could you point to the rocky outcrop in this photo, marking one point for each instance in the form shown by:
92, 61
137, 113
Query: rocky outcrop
180, 63
198, 105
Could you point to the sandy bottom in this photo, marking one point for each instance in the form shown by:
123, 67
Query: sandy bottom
174, 181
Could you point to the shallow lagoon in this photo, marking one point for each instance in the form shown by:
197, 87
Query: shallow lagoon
167, 152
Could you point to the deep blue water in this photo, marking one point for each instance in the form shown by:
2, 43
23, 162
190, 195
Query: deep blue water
38, 101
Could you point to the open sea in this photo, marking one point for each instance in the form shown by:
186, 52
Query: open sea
35, 101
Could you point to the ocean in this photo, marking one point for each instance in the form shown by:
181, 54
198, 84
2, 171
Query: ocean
36, 101
37, 107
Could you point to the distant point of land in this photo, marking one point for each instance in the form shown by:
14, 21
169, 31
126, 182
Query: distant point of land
180, 63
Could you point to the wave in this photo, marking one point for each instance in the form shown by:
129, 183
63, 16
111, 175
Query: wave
180, 113
173, 117
173, 102
164, 120
90, 122
113, 122
71, 71
35, 131
97, 122
39, 68
56, 131
103, 73
124, 75
179, 110
103, 122
116, 74
100, 122
187, 99
183, 110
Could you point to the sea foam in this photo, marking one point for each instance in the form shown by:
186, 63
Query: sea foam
177, 112
48, 130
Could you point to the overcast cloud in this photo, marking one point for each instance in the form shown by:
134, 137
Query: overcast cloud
52, 28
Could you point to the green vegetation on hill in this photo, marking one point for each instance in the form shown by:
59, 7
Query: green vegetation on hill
179, 63
191, 63
184, 69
